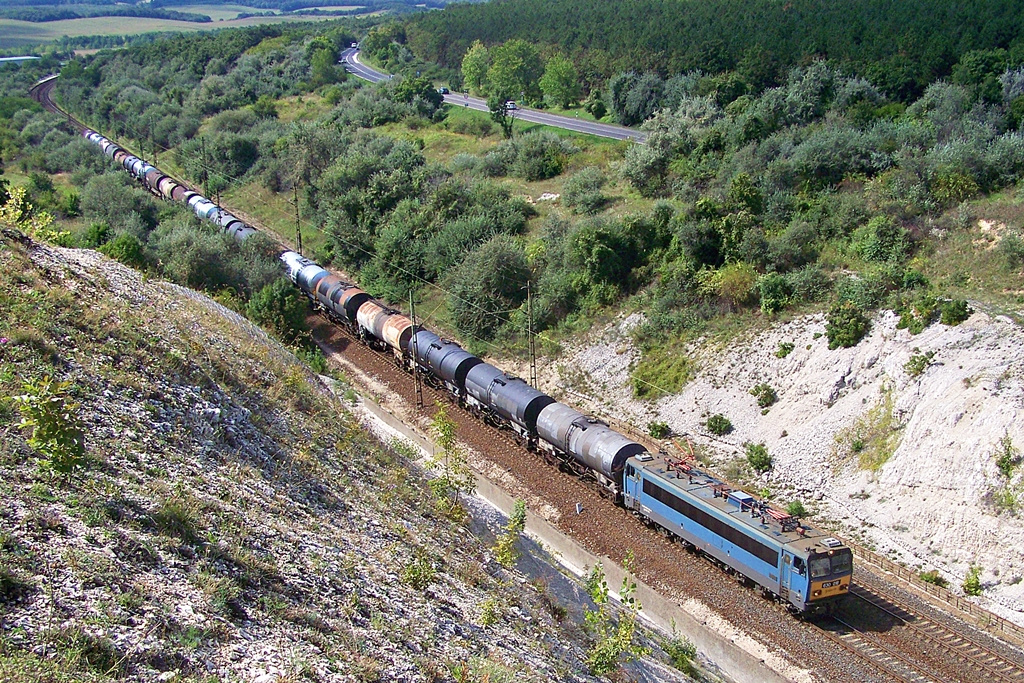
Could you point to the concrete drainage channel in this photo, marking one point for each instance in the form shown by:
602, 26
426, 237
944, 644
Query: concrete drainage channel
733, 655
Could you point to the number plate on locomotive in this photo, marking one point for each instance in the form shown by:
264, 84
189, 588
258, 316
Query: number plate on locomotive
830, 584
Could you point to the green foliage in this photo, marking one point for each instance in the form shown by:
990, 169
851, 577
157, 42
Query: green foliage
954, 311
265, 107
560, 82
613, 639
1008, 456
681, 653
918, 362
515, 71
797, 509
972, 582
505, 551
658, 430
487, 286
582, 191
933, 577
419, 572
127, 249
765, 394
758, 457
718, 424
785, 348
775, 292
280, 308
846, 325
661, 371
491, 611
881, 240
475, 63
57, 432
454, 477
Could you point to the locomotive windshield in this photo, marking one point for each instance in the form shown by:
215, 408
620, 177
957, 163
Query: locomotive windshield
823, 565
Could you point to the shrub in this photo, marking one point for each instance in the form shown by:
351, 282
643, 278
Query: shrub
681, 653
719, 425
125, 248
758, 457
765, 395
279, 308
775, 291
1007, 456
505, 549
658, 430
918, 362
846, 325
582, 191
797, 509
933, 577
57, 434
972, 582
954, 311
419, 572
785, 348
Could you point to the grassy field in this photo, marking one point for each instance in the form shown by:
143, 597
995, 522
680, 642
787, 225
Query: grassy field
229, 12
17, 33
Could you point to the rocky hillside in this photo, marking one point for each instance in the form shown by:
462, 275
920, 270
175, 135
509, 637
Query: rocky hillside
228, 520
907, 443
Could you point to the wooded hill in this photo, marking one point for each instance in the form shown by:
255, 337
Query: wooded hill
901, 47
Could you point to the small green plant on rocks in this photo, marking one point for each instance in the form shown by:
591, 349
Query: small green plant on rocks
419, 572
719, 425
57, 434
764, 394
918, 362
658, 430
505, 550
954, 311
1007, 456
758, 457
972, 582
455, 478
613, 640
933, 577
785, 348
681, 653
797, 509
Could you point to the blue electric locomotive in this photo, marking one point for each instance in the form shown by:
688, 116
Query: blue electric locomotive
806, 569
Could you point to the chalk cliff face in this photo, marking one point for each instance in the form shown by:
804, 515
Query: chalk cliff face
899, 448
231, 519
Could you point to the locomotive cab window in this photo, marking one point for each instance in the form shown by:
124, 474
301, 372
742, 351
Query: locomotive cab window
798, 565
842, 563
819, 567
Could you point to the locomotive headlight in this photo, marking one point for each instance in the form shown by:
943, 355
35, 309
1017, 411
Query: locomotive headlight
817, 593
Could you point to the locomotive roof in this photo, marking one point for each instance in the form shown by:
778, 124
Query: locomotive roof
690, 482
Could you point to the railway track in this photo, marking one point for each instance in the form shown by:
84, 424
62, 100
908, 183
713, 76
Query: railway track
984, 661
883, 658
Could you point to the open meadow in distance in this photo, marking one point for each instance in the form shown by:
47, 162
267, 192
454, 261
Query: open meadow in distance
15, 33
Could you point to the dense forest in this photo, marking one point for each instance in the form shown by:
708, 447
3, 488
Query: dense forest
901, 47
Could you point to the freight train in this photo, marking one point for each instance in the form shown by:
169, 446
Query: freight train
805, 569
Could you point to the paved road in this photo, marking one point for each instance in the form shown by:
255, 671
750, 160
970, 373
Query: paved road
350, 57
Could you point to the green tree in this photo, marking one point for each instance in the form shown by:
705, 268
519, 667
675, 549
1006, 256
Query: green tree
454, 477
280, 308
561, 82
324, 69
972, 582
475, 64
265, 107
500, 114
515, 71
613, 639
487, 286
759, 457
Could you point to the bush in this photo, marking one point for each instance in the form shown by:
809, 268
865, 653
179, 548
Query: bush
57, 434
775, 292
765, 395
933, 577
846, 325
718, 424
797, 509
758, 457
1007, 456
127, 249
972, 582
658, 430
918, 362
582, 192
953, 312
279, 308
785, 348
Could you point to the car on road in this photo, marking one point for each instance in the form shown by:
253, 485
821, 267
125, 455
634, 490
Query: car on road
443, 90
355, 44
511, 105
